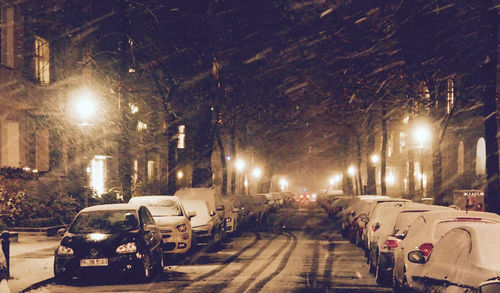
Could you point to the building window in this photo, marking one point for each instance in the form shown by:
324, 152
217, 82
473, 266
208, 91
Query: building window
151, 171
181, 138
450, 96
402, 142
460, 160
481, 157
390, 145
7, 36
42, 57
98, 174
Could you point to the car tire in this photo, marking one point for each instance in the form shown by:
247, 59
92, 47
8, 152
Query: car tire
379, 273
371, 263
146, 268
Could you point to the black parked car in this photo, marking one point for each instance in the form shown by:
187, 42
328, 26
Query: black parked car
117, 238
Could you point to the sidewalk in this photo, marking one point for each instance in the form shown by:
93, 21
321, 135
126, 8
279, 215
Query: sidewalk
31, 260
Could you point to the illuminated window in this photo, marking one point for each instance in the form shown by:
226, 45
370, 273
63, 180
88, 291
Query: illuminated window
181, 143
151, 170
7, 36
450, 96
461, 158
402, 142
481, 157
390, 145
42, 57
97, 174
141, 126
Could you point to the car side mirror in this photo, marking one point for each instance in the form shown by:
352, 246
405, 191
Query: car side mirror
191, 214
212, 213
490, 286
61, 232
416, 256
377, 226
400, 234
220, 208
364, 218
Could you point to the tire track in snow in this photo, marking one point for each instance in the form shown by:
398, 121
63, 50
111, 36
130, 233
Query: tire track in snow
257, 287
252, 278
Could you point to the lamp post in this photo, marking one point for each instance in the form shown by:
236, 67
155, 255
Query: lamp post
421, 136
256, 173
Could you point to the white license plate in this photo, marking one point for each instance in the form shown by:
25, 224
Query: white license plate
94, 262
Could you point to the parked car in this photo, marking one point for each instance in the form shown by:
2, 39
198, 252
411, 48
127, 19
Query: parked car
248, 213
232, 210
209, 225
382, 248
463, 260
114, 238
376, 211
173, 220
423, 234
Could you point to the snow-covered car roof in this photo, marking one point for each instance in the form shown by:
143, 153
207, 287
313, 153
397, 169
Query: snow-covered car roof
113, 206
159, 205
201, 208
153, 199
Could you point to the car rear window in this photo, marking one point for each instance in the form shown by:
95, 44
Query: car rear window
443, 227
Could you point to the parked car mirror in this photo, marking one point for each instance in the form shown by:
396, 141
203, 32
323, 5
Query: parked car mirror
490, 286
400, 234
212, 213
377, 226
364, 218
191, 214
416, 256
61, 232
220, 207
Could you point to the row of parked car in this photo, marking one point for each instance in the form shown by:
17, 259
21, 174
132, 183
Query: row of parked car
418, 247
135, 237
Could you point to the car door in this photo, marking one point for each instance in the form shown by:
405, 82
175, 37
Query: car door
151, 232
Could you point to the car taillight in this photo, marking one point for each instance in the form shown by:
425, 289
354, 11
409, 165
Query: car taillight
338, 209
426, 248
391, 243
374, 228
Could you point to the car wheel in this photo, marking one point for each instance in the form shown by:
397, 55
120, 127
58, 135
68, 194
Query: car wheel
146, 268
371, 262
379, 273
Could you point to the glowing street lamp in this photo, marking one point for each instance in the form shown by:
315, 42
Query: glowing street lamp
240, 165
257, 172
84, 102
374, 159
351, 170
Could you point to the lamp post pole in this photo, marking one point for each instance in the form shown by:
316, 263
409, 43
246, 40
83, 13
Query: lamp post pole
422, 170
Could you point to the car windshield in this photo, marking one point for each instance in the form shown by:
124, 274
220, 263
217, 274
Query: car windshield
106, 222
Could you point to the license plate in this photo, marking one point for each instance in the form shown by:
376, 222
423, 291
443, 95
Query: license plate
94, 262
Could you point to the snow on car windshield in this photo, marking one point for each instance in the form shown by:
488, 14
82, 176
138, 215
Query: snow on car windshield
201, 209
107, 222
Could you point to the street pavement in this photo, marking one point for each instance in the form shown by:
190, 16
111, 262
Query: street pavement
31, 261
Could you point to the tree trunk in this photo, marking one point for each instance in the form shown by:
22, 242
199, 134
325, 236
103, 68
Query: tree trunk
172, 158
371, 185
222, 154
411, 173
383, 154
124, 141
490, 32
233, 159
358, 183
203, 141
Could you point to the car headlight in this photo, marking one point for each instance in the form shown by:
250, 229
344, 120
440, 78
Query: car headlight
64, 250
181, 227
127, 248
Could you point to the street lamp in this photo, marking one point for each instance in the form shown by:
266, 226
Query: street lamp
374, 159
421, 135
84, 104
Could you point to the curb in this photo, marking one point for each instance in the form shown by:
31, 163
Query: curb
37, 285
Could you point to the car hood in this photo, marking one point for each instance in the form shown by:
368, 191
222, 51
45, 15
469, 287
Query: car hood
169, 221
106, 243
